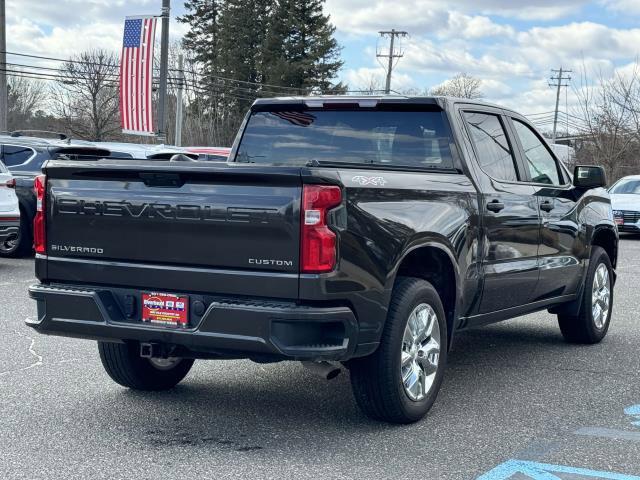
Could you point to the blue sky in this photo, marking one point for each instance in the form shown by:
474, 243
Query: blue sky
510, 45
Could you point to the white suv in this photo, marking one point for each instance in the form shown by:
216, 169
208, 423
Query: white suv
9, 211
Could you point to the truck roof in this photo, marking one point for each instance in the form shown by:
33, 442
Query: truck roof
370, 100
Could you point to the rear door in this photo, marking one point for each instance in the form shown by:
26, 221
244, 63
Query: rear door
560, 245
510, 215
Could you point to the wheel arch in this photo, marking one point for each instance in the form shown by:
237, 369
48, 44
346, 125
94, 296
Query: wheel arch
434, 261
606, 237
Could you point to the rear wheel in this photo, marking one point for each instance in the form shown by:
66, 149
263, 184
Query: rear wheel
400, 381
123, 363
20, 245
592, 322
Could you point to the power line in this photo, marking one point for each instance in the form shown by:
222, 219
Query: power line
117, 67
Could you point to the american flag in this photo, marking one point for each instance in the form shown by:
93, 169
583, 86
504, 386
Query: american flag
136, 75
300, 119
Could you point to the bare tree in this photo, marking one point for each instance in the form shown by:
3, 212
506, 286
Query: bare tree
86, 97
26, 101
373, 85
609, 110
462, 86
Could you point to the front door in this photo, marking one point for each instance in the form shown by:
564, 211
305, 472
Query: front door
560, 244
510, 216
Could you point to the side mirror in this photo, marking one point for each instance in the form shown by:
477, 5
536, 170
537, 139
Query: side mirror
589, 176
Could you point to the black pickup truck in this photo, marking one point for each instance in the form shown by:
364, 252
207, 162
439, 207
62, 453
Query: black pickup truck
362, 232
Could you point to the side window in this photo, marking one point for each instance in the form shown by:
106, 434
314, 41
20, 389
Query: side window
542, 166
13, 155
494, 153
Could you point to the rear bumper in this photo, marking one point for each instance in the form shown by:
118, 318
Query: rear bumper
9, 228
225, 327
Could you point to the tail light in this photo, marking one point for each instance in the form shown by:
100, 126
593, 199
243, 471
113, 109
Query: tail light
39, 230
318, 242
11, 183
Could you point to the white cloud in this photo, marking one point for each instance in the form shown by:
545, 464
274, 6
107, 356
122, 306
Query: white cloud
627, 7
426, 56
374, 78
429, 16
474, 27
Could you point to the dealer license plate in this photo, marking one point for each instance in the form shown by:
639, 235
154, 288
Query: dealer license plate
165, 309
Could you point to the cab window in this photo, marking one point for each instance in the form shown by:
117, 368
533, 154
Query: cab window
492, 147
541, 164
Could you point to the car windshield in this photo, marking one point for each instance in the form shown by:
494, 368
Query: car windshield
627, 186
393, 138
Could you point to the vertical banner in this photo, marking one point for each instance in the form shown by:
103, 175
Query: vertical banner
136, 75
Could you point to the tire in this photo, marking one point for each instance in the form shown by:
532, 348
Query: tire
587, 327
125, 366
23, 245
377, 380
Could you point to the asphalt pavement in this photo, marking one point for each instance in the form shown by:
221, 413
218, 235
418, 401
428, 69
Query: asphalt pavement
517, 403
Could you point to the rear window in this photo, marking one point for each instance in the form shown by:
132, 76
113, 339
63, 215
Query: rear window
394, 138
13, 155
79, 153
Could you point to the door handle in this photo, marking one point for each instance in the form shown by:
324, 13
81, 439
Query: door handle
495, 206
546, 206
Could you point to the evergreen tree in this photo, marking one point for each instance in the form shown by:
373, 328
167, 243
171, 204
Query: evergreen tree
242, 32
300, 50
202, 37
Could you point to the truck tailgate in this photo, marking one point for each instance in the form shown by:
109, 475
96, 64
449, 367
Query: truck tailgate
223, 218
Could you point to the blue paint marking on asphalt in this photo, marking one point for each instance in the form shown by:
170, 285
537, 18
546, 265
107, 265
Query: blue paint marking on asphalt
543, 471
634, 411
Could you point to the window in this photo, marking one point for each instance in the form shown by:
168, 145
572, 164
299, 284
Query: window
542, 166
494, 154
13, 155
379, 137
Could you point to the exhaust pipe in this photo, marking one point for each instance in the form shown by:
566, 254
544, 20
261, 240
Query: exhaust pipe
325, 370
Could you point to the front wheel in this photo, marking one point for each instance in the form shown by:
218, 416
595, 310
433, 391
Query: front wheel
592, 322
125, 366
400, 381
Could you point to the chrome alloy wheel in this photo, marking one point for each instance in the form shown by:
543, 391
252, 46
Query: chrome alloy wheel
165, 363
420, 352
601, 296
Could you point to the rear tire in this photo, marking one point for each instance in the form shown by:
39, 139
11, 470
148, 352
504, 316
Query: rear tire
23, 245
413, 350
123, 363
591, 323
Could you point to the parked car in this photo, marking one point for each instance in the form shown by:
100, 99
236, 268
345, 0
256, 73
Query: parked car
24, 156
625, 200
210, 154
9, 211
382, 229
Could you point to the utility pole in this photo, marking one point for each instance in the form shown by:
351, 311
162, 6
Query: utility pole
164, 66
4, 94
179, 101
392, 55
557, 82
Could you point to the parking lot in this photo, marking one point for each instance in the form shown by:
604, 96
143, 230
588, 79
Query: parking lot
513, 391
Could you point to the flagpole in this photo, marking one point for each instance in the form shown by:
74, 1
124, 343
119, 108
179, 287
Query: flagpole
164, 65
